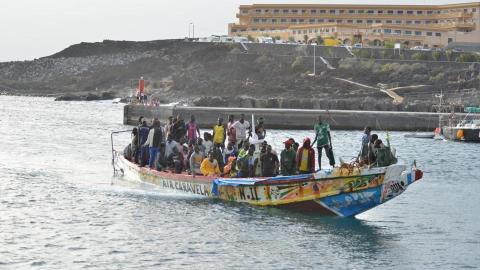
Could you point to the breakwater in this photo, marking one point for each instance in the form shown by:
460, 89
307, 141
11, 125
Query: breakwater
292, 118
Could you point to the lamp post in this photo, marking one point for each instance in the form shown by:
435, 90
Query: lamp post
193, 30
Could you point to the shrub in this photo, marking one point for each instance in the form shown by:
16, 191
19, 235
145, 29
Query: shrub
449, 54
467, 57
437, 78
297, 65
436, 55
389, 45
419, 56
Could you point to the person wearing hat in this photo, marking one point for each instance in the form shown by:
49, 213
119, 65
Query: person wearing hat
287, 159
306, 158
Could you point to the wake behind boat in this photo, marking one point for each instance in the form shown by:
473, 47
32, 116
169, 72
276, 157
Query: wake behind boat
344, 191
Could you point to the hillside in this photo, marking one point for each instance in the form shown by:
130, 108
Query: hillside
208, 74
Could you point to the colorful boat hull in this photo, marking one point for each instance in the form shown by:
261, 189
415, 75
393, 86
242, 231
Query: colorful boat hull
341, 192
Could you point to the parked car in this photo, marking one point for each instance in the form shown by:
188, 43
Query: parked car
357, 45
265, 40
240, 40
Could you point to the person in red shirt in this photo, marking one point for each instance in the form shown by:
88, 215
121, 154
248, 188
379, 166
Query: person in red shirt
306, 158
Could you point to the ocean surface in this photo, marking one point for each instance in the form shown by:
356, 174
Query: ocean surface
61, 207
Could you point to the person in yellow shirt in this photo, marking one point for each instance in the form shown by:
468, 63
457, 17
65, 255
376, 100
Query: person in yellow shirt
209, 166
219, 134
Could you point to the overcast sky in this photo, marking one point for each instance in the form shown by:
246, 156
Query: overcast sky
34, 28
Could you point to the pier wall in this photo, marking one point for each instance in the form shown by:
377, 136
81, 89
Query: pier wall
293, 118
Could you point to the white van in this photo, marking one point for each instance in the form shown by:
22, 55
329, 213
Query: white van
240, 40
265, 40
226, 39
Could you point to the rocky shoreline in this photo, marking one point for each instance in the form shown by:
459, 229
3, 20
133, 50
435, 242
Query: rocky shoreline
268, 76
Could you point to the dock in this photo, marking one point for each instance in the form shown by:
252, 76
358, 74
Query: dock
297, 119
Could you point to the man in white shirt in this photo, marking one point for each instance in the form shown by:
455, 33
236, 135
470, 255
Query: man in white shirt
169, 145
241, 127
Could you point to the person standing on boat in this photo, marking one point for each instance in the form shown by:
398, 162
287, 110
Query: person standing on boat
143, 132
260, 129
324, 141
210, 166
241, 127
219, 134
363, 155
178, 130
306, 158
168, 126
193, 132
232, 137
155, 137
269, 163
287, 159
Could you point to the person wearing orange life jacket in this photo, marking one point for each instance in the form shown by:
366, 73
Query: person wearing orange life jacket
306, 158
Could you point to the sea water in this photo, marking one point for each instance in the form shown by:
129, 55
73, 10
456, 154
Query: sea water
61, 208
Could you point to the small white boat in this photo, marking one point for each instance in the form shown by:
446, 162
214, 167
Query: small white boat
420, 135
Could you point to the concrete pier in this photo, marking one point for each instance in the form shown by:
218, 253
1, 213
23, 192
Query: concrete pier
292, 118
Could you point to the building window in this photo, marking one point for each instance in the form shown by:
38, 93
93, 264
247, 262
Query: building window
258, 11
418, 33
349, 21
389, 21
370, 11
293, 20
332, 11
283, 20
359, 21
341, 11
380, 11
285, 11
418, 22
244, 11
419, 12
339, 21
313, 11
398, 32
331, 20
409, 12
304, 31
312, 21
390, 12
294, 32
351, 11
428, 22
301, 21
294, 11
304, 11
429, 34
387, 31
474, 10
438, 34
408, 22
369, 21
429, 12
398, 22
322, 11
276, 11
264, 20
316, 30
310, 31
254, 29
256, 20
361, 11
408, 32
320, 20
399, 11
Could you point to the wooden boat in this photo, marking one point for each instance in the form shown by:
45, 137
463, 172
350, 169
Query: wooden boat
343, 191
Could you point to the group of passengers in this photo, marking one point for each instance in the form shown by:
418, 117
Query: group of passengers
227, 151
373, 152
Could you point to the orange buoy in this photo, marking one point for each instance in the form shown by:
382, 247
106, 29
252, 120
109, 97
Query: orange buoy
460, 134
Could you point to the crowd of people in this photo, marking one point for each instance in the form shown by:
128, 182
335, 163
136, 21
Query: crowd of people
236, 149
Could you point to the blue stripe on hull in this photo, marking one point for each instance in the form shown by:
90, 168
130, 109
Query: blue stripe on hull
354, 203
